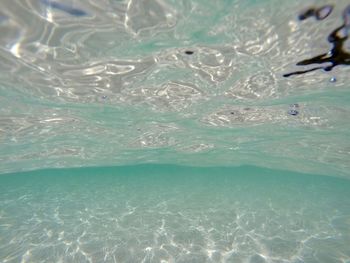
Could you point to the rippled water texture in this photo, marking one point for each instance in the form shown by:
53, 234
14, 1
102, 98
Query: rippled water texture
169, 214
185, 82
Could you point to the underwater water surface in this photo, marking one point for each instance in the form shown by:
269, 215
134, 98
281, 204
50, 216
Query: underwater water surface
219, 131
199, 83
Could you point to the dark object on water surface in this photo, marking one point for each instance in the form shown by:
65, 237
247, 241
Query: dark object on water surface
306, 14
189, 52
324, 12
337, 55
319, 13
65, 8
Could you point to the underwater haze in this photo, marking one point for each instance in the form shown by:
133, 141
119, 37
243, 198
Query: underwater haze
173, 214
175, 131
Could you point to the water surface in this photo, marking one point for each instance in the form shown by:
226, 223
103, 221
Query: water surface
160, 81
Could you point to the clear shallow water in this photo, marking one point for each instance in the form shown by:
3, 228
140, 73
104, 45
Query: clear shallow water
195, 83
86, 84
164, 213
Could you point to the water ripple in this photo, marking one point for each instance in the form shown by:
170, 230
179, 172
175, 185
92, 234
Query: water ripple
77, 75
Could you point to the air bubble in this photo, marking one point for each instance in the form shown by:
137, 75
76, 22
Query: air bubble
293, 112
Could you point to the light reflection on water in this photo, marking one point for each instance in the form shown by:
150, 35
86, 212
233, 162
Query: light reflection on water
168, 82
95, 83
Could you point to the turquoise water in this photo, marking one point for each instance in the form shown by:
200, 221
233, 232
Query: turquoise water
116, 87
216, 152
166, 213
